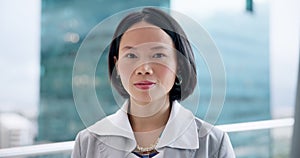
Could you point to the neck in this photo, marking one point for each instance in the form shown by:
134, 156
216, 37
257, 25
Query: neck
149, 117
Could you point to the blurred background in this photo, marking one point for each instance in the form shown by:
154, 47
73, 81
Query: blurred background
257, 39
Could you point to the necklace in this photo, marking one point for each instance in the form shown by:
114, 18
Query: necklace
147, 149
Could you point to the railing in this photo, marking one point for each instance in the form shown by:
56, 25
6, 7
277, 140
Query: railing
66, 147
34, 150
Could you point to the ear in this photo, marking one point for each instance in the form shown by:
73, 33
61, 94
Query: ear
116, 64
115, 59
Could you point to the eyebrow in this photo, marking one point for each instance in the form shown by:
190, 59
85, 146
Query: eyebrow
153, 48
158, 48
128, 47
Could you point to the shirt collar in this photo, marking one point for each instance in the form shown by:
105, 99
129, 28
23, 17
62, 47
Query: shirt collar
180, 131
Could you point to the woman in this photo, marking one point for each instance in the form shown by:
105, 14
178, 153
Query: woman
151, 64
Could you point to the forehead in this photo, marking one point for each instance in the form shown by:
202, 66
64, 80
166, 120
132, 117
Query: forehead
143, 33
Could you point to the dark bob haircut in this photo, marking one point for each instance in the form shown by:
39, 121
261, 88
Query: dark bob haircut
186, 69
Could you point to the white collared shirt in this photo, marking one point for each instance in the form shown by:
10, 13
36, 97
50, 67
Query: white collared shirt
184, 136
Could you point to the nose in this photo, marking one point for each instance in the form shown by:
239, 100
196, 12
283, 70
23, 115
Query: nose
144, 69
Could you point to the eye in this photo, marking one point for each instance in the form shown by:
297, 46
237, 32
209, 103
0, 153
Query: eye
130, 55
159, 55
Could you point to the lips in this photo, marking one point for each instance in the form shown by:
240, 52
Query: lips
144, 85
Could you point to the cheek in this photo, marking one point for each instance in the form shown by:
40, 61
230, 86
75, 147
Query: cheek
167, 74
166, 71
125, 71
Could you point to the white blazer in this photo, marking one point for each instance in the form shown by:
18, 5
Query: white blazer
184, 136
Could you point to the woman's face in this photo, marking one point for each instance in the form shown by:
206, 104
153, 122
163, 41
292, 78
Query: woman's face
147, 63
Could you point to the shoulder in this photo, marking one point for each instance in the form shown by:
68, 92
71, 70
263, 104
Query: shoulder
206, 129
86, 144
85, 135
214, 141
85, 138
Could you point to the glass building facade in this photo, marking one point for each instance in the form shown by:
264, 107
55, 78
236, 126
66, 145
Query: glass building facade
65, 24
